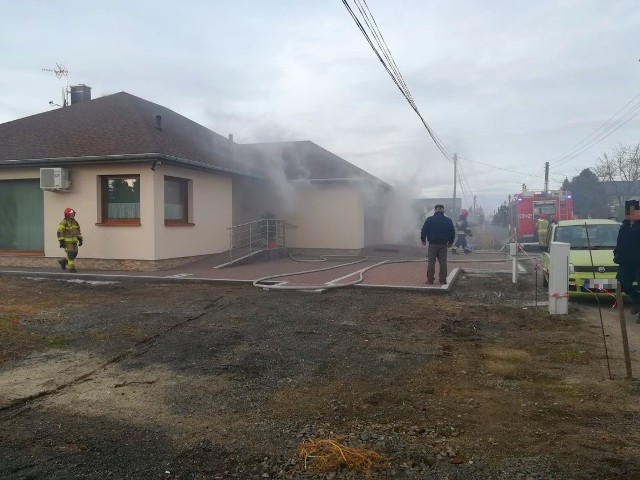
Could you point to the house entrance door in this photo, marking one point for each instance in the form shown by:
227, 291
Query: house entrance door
373, 226
21, 216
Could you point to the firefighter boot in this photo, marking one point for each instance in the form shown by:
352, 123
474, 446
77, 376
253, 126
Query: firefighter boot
467, 251
454, 250
63, 263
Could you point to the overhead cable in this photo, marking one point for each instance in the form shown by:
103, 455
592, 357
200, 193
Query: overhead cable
602, 132
390, 64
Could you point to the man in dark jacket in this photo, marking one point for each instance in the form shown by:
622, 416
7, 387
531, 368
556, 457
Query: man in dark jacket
627, 254
439, 232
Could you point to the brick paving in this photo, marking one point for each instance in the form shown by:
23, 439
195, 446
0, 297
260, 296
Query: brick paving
381, 271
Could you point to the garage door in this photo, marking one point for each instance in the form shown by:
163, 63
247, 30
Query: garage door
21, 216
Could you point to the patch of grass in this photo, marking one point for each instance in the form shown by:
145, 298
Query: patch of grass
56, 343
16, 339
570, 355
100, 334
505, 362
502, 369
132, 330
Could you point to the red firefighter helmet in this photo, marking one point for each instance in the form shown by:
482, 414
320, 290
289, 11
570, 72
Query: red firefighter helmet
542, 216
68, 212
464, 212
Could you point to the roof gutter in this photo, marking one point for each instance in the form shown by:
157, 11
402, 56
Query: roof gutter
134, 157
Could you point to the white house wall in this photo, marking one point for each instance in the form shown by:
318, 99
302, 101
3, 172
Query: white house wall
210, 206
210, 213
130, 242
328, 216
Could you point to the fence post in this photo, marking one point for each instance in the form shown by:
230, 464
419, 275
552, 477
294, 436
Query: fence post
513, 251
623, 330
559, 278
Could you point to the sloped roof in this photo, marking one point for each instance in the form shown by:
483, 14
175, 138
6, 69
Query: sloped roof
621, 188
118, 124
123, 124
304, 160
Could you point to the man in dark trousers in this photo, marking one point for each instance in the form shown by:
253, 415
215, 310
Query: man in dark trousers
627, 254
439, 232
462, 230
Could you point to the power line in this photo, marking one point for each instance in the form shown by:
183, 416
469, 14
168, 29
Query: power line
391, 67
508, 170
602, 132
382, 44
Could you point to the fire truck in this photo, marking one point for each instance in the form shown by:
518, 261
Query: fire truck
524, 209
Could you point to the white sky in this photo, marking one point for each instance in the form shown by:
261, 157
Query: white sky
510, 83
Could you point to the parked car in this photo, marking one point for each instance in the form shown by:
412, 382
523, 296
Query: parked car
591, 263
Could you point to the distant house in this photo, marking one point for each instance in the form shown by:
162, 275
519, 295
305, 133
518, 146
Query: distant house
153, 188
425, 206
617, 192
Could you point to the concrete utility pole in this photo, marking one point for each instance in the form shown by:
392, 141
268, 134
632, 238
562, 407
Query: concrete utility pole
546, 177
454, 210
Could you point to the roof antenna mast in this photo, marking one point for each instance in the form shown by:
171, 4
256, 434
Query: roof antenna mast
60, 71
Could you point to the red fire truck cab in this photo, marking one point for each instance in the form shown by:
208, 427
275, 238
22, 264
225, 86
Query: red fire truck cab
525, 209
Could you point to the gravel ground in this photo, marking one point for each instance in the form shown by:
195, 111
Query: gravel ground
209, 382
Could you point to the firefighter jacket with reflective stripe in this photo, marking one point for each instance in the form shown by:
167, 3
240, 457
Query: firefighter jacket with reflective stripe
69, 230
543, 227
462, 226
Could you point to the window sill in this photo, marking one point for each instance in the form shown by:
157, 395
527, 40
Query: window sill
169, 223
119, 224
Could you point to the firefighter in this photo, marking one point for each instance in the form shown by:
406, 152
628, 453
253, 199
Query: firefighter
542, 227
462, 230
70, 239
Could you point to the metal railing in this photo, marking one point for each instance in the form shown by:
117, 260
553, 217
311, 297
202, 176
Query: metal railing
264, 234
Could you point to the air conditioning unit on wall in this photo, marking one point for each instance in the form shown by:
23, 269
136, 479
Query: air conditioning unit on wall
55, 179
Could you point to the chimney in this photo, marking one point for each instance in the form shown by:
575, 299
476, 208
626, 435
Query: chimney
159, 122
80, 93
231, 137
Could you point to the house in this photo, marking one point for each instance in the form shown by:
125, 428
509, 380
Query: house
617, 192
425, 206
153, 189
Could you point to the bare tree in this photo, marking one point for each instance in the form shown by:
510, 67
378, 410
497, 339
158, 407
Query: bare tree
620, 170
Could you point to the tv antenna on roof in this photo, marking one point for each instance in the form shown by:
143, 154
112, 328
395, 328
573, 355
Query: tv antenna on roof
60, 71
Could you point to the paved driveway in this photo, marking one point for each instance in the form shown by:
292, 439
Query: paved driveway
400, 269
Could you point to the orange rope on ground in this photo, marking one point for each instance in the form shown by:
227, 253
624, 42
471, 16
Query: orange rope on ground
329, 455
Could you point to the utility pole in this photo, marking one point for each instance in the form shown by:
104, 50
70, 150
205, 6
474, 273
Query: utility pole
546, 177
454, 210
474, 203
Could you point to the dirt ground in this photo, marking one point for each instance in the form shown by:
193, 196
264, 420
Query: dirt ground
192, 381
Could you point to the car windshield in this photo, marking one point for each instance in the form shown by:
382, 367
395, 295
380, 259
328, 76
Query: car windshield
596, 236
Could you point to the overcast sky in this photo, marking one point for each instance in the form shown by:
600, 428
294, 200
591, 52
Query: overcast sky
507, 83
